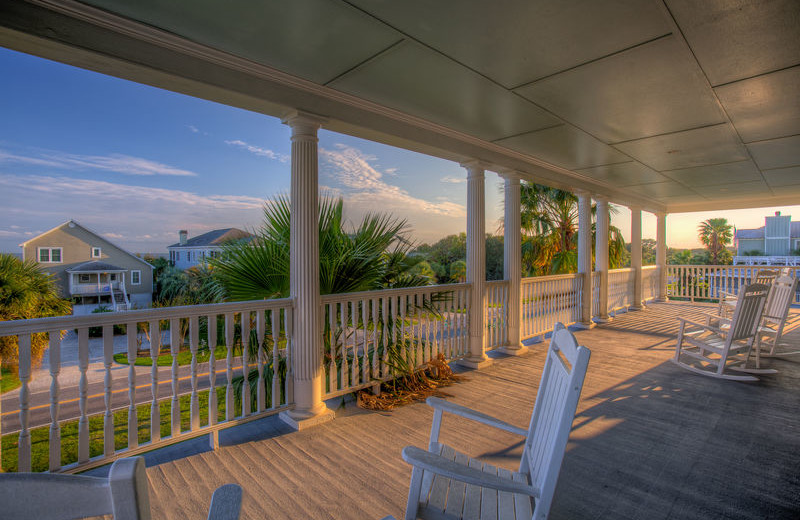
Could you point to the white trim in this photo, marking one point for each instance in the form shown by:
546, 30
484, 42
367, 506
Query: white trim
50, 255
99, 252
136, 273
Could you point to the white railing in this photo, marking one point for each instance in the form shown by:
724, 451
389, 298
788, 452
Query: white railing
121, 413
767, 260
95, 288
496, 317
620, 289
707, 282
595, 294
369, 336
650, 282
547, 300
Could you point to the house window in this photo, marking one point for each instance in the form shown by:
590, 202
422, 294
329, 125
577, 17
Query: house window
112, 277
136, 277
96, 252
177, 256
50, 255
85, 278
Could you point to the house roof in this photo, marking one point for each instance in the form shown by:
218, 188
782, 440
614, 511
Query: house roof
750, 233
75, 223
95, 266
214, 238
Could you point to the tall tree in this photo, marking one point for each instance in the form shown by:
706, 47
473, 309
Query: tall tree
715, 234
26, 292
549, 219
372, 255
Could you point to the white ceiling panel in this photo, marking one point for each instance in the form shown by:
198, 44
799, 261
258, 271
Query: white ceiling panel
624, 174
737, 39
717, 174
662, 189
565, 146
419, 81
517, 41
699, 147
308, 38
669, 94
776, 153
783, 177
764, 107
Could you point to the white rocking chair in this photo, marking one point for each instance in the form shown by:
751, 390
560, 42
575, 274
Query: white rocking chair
724, 347
123, 494
448, 484
775, 319
727, 300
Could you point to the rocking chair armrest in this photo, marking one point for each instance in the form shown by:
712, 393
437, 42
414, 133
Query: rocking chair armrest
468, 413
727, 295
698, 325
441, 466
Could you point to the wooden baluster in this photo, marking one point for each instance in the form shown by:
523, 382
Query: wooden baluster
213, 405
230, 406
155, 409
344, 370
108, 417
355, 366
133, 423
261, 343
332, 379
174, 348
24, 442
365, 343
194, 402
288, 327
55, 398
83, 388
275, 317
385, 339
375, 350
245, 317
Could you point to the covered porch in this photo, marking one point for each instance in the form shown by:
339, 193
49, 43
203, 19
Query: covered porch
649, 441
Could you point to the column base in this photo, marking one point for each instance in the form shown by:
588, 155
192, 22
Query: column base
584, 325
637, 308
475, 363
662, 299
604, 319
303, 420
513, 350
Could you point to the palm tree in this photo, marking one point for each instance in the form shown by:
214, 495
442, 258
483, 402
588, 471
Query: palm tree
26, 292
715, 234
373, 255
549, 219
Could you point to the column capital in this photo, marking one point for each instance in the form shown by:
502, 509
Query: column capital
581, 193
509, 175
304, 123
475, 165
660, 214
635, 207
600, 199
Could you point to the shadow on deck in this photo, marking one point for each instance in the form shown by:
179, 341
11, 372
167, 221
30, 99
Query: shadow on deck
650, 441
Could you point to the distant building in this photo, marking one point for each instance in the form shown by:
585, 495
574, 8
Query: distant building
771, 244
90, 270
189, 252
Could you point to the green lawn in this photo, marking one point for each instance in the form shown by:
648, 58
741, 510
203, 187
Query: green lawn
184, 357
9, 380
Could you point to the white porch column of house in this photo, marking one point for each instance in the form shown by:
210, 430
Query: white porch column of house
661, 254
304, 275
601, 254
585, 255
636, 256
512, 262
476, 262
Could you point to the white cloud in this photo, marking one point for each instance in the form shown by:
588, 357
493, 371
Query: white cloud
449, 179
139, 218
364, 185
261, 152
193, 129
118, 163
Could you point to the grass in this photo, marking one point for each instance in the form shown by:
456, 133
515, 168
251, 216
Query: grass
184, 357
40, 437
8, 380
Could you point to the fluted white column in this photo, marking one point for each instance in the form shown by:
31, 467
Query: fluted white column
636, 256
512, 261
601, 254
661, 254
304, 275
476, 262
585, 255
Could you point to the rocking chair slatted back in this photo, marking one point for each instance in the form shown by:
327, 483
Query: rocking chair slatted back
553, 413
746, 317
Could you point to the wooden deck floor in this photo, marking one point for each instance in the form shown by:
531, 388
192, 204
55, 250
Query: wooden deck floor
650, 441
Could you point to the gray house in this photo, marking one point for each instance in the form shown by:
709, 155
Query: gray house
90, 270
773, 243
189, 252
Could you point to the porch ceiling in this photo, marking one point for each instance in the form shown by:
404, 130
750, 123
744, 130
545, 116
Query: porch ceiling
672, 105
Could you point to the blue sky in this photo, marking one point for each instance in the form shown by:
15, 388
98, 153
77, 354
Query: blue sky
136, 164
